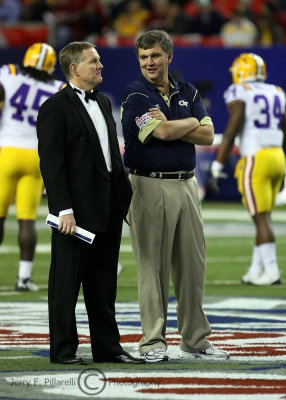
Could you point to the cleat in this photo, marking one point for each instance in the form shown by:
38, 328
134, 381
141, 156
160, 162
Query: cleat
26, 285
266, 279
249, 276
212, 353
155, 355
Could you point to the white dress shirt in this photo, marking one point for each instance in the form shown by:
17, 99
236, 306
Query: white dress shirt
99, 122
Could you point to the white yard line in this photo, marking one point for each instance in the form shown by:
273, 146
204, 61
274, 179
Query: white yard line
208, 214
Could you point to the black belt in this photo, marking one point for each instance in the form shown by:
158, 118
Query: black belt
181, 176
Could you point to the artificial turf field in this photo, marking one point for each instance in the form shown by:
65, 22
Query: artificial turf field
247, 321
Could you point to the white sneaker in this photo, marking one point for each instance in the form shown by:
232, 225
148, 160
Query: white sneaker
249, 276
26, 285
212, 353
154, 355
265, 279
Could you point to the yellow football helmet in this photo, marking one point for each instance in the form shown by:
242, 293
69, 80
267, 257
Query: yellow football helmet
248, 67
40, 56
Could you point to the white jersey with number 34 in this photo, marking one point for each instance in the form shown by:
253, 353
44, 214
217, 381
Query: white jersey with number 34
264, 109
23, 97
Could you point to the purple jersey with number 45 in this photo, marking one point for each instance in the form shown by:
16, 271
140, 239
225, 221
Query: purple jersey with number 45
23, 97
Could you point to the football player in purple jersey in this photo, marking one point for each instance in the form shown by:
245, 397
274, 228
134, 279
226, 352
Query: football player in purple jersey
23, 89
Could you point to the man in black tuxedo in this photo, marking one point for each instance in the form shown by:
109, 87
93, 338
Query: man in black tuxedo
86, 186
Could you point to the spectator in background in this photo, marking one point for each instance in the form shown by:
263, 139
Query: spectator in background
56, 17
244, 7
175, 21
35, 11
94, 19
269, 31
3, 41
131, 21
10, 10
239, 31
158, 14
207, 21
68, 20
281, 5
77, 19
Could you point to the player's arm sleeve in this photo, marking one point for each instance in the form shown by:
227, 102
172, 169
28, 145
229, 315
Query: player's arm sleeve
145, 134
206, 121
135, 117
204, 133
235, 92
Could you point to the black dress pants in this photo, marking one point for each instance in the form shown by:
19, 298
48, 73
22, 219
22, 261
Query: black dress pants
75, 262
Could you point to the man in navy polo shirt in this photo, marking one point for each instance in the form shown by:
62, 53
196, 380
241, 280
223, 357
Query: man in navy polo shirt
162, 121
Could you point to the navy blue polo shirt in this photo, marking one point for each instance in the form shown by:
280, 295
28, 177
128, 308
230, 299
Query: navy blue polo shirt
142, 150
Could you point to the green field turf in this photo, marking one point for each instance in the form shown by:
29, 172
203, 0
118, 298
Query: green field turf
229, 240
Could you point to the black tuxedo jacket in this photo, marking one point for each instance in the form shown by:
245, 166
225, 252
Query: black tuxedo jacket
72, 162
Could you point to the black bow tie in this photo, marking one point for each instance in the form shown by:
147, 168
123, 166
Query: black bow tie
88, 95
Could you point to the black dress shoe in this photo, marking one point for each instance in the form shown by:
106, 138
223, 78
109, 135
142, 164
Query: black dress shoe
71, 361
126, 358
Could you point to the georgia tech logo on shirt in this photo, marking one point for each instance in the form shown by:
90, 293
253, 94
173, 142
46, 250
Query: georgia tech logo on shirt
183, 103
143, 120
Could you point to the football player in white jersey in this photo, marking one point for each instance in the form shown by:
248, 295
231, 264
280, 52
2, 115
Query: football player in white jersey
257, 116
23, 89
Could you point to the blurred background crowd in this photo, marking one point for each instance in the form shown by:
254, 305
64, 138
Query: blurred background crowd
233, 23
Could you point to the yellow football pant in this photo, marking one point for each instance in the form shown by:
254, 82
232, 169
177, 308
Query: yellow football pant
20, 179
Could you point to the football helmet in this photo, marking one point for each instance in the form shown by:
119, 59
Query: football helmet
248, 67
40, 56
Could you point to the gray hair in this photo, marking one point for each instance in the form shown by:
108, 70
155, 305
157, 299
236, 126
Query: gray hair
72, 53
148, 40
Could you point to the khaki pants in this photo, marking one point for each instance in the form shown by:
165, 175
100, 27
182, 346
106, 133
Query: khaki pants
167, 236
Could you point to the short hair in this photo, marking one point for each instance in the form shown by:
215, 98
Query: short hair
148, 40
72, 53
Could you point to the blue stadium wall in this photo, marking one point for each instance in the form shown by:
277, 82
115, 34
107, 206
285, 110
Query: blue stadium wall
194, 64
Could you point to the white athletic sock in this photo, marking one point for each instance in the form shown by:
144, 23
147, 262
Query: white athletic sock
268, 255
256, 261
25, 269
